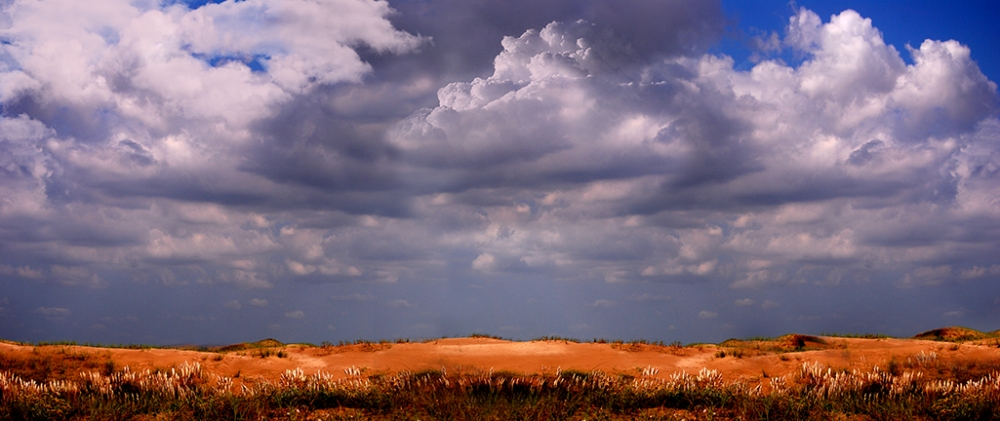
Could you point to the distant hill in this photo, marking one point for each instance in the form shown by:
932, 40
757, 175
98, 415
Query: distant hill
785, 343
955, 334
264, 343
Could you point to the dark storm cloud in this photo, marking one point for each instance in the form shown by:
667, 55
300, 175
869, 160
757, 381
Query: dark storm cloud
308, 144
465, 33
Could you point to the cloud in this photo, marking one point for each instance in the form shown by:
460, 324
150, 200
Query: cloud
484, 262
130, 56
955, 313
398, 303
355, 297
127, 319
260, 144
979, 272
575, 119
108, 106
604, 304
297, 314
53, 313
243, 278
645, 297
704, 314
661, 139
928, 275
22, 272
466, 32
232, 305
76, 276
714, 148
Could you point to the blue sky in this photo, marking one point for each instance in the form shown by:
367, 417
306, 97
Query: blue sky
216, 172
901, 23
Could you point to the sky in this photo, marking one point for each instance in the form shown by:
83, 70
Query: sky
200, 172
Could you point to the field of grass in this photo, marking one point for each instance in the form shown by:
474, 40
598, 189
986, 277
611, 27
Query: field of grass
63, 382
188, 393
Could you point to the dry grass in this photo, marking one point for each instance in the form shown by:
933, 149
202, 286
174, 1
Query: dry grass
954, 334
46, 363
813, 392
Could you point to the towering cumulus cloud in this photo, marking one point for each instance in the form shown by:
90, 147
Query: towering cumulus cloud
688, 168
252, 145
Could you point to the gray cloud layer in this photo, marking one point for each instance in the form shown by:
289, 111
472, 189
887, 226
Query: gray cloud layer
264, 145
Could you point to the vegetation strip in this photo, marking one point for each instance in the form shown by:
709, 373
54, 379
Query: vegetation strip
187, 392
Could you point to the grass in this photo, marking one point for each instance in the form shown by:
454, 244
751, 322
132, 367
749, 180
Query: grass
736, 353
58, 383
814, 392
954, 334
857, 335
554, 338
55, 363
99, 345
268, 352
486, 336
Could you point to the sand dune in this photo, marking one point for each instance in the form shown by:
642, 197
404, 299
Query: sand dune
734, 359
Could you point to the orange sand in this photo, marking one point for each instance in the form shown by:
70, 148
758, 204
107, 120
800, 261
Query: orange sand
471, 354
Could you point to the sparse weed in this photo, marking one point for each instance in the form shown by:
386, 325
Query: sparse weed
760, 338
99, 345
857, 335
485, 336
268, 352
557, 339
